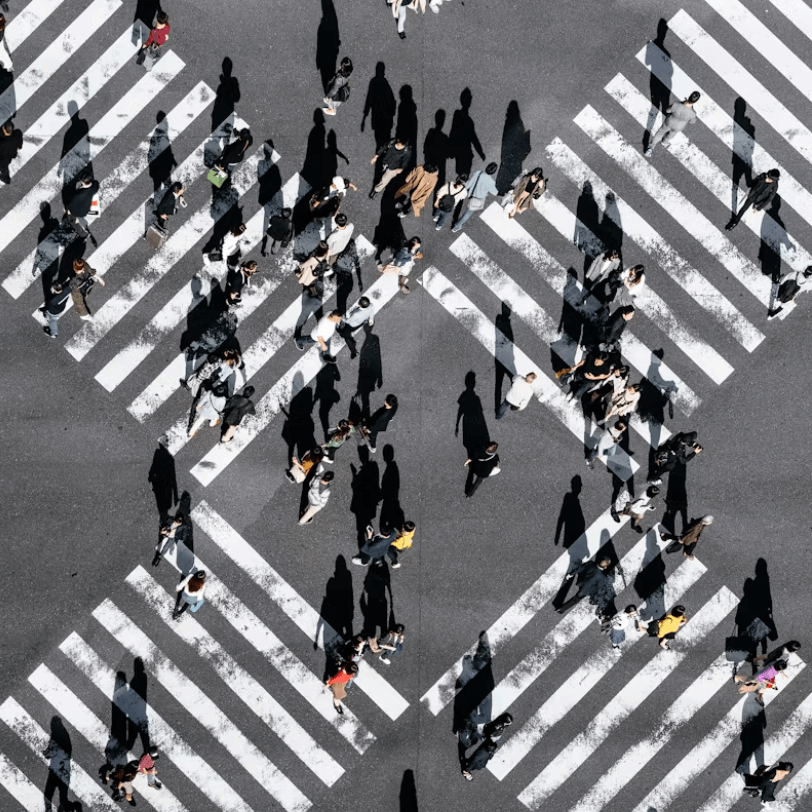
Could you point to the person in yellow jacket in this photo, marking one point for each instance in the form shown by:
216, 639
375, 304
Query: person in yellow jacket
669, 625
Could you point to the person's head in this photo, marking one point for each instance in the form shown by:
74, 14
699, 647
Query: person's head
346, 66
8, 129
350, 668
232, 358
321, 250
327, 477
398, 628
197, 580
238, 230
316, 453
401, 143
163, 18
364, 303
652, 491
176, 188
286, 213
391, 401
634, 387
491, 448
414, 244
341, 220
408, 527
245, 134
678, 611
248, 392
621, 425
604, 563
462, 179
694, 97
154, 752
84, 180
250, 267
335, 316
537, 173
530, 377
793, 645
179, 519
627, 312
431, 169
773, 174
630, 609
780, 665
786, 766
601, 358
79, 265
358, 641
707, 520
491, 168
611, 254
56, 288
636, 273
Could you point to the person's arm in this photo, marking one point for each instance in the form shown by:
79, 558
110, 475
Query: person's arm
182, 584
322, 343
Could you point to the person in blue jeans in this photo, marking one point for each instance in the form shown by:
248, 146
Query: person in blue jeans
392, 644
479, 186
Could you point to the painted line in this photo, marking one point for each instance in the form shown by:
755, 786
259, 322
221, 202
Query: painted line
24, 24
173, 250
672, 722
647, 301
282, 392
205, 777
80, 717
798, 13
630, 697
636, 228
293, 605
192, 295
54, 56
539, 321
744, 83
796, 786
675, 204
711, 177
14, 781
201, 707
113, 185
586, 676
57, 760
249, 690
554, 274
711, 746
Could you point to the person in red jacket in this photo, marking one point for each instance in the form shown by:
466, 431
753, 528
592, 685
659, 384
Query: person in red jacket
158, 37
338, 682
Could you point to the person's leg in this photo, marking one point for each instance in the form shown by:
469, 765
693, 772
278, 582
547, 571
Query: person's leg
304, 341
228, 434
308, 515
371, 440
467, 215
198, 422
734, 221
475, 483
392, 552
661, 133
53, 324
568, 604
503, 409
352, 345
179, 610
386, 178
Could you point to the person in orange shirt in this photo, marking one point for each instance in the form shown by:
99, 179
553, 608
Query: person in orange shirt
338, 682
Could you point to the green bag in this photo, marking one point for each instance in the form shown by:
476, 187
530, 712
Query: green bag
217, 177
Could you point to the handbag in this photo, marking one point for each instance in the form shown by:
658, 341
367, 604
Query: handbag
155, 236
447, 202
217, 177
788, 291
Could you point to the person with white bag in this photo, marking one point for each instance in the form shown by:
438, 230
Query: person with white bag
483, 465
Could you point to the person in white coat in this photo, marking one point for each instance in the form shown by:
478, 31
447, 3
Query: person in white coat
518, 396
624, 623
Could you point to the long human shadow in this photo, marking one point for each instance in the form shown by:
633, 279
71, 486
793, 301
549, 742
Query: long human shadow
49, 239
742, 155
406, 126
328, 42
436, 148
391, 511
9, 93
160, 158
756, 604
676, 500
379, 106
659, 89
269, 181
75, 156
226, 96
389, 231
751, 736
578, 553
163, 480
144, 17
503, 357
313, 166
337, 605
769, 258
570, 325
366, 492
462, 137
475, 435
374, 602
515, 148
571, 523
331, 155
299, 430
408, 792
649, 582
326, 394
370, 371
59, 752
210, 325
116, 747
587, 221
137, 717
475, 684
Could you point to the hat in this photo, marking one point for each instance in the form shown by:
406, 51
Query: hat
338, 182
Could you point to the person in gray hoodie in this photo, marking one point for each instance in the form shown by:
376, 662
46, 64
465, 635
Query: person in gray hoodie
677, 117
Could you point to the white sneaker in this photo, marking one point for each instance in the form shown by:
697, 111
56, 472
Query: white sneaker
86, 318
434, 8
396, 566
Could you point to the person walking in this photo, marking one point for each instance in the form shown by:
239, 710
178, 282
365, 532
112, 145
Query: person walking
622, 624
237, 279
327, 201
234, 153
761, 193
479, 186
677, 117
762, 682
403, 541
338, 436
615, 327
80, 204
337, 684
121, 779
531, 186
417, 189
782, 652
300, 469
6, 62
318, 494
280, 231
190, 593
637, 508
151, 50
80, 286
630, 283
689, 538
172, 200
322, 334
310, 273
765, 781
236, 409
338, 91
589, 373
479, 759
11, 142
602, 267
54, 306
669, 625
624, 402
361, 314
518, 396
378, 422
607, 445
402, 263
788, 287
483, 465
448, 197
594, 582
173, 531
391, 645
210, 406
376, 546
339, 238
399, 12
146, 766
395, 156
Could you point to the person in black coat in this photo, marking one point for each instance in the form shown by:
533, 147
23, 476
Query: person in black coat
595, 583
760, 195
482, 466
11, 142
280, 230
237, 279
616, 324
765, 780
237, 407
170, 202
235, 151
479, 759
79, 205
379, 422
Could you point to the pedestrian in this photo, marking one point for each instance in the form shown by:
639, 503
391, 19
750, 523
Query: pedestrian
352, 651
630, 283
280, 230
54, 306
416, 190
146, 765
380, 420
339, 238
392, 644
788, 287
402, 263
403, 541
376, 547
594, 582
6, 62
761, 193
625, 402
361, 314
121, 779
234, 153
518, 396
172, 200
637, 508
615, 326
399, 12
685, 446
318, 494
190, 593
337, 684
479, 759
217, 369
310, 273
496, 728
689, 538
173, 531
395, 155
11, 142
605, 394
300, 469
237, 408
338, 436
81, 203
338, 91
780, 653
589, 373
677, 117
210, 406
529, 187
607, 445
80, 286
479, 186
765, 680
622, 623
669, 625
327, 201
230, 247
602, 267
151, 50
484, 464
237, 279
765, 780
322, 334
448, 197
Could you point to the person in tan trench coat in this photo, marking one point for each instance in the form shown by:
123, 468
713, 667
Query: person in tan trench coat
420, 182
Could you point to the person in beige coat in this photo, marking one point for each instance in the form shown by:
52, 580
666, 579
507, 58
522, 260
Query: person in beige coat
420, 183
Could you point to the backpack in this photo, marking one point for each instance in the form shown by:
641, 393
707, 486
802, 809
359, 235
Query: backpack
788, 291
447, 202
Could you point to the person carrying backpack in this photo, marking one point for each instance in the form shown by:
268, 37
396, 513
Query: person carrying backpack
338, 91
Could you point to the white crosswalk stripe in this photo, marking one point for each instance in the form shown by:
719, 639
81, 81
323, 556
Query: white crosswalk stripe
14, 781
24, 24
798, 13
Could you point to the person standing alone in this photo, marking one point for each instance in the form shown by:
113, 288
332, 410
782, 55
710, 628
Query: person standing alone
678, 116
518, 396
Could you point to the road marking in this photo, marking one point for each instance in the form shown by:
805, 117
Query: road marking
14, 781
27, 21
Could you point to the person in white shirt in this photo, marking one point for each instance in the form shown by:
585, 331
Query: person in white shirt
447, 199
637, 508
318, 494
624, 622
361, 314
321, 334
602, 266
608, 443
518, 396
339, 238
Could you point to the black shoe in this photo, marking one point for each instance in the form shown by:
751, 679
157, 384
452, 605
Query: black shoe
731, 225
373, 194
402, 34
47, 331
353, 355
183, 383
638, 529
339, 710
156, 560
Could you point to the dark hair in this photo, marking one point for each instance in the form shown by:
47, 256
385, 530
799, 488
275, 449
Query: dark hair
626, 310
611, 253
346, 66
56, 287
239, 229
163, 17
635, 387
248, 392
245, 133
364, 302
785, 765
399, 139
792, 645
335, 313
652, 490
86, 176
430, 168
154, 753
176, 187
774, 174
780, 665
621, 425
350, 668
356, 639
491, 168
398, 628
409, 526
197, 580
694, 97
414, 242
321, 249
250, 265
392, 400
8, 127
341, 220
491, 448
678, 611
462, 177
316, 453
623, 369
630, 608
328, 476
538, 172
286, 212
